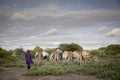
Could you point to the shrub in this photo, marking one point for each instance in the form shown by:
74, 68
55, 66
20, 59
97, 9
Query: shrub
70, 47
95, 52
113, 49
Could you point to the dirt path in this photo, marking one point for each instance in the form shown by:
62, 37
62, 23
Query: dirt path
16, 74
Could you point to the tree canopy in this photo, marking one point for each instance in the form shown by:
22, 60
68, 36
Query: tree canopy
95, 52
113, 49
37, 48
50, 50
19, 51
70, 47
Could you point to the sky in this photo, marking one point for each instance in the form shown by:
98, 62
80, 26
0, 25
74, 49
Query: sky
47, 23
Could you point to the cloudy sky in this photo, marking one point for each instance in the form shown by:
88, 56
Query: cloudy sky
48, 23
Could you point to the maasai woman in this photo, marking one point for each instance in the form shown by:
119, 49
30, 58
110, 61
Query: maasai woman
28, 59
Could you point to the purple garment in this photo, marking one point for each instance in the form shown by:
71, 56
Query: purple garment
28, 59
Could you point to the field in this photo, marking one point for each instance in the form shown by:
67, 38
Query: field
108, 68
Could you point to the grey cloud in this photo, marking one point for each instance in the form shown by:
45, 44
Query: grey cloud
66, 3
50, 32
114, 33
107, 1
5, 14
48, 27
85, 40
63, 18
46, 17
24, 23
104, 28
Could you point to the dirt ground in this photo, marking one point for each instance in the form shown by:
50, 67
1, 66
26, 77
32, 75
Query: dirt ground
16, 74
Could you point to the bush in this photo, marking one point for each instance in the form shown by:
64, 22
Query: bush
70, 47
7, 60
113, 49
95, 52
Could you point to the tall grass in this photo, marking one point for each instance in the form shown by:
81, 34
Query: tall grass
11, 61
107, 68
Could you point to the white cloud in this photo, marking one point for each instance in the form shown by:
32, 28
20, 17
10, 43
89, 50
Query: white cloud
84, 17
26, 44
18, 15
114, 33
104, 28
57, 43
31, 37
50, 32
39, 24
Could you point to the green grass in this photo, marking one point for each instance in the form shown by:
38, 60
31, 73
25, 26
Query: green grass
14, 64
11, 61
108, 68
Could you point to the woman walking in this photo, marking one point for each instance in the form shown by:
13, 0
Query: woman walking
28, 59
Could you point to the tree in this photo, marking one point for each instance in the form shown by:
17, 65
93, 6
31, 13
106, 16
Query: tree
113, 49
95, 52
19, 51
102, 50
14, 54
11, 52
75, 47
64, 47
50, 50
3, 52
70, 47
37, 48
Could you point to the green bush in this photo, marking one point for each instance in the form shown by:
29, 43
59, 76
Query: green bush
95, 52
7, 60
70, 47
113, 49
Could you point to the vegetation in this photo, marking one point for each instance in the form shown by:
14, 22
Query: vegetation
7, 59
50, 50
107, 68
113, 49
96, 52
37, 48
102, 48
19, 51
70, 47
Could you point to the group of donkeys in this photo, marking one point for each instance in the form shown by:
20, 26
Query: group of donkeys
59, 56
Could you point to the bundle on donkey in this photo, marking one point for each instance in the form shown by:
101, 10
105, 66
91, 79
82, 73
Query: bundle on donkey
79, 56
57, 55
41, 55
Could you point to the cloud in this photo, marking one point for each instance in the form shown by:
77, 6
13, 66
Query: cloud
65, 18
114, 33
18, 15
31, 37
70, 4
5, 14
104, 28
53, 16
57, 43
50, 32
51, 25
